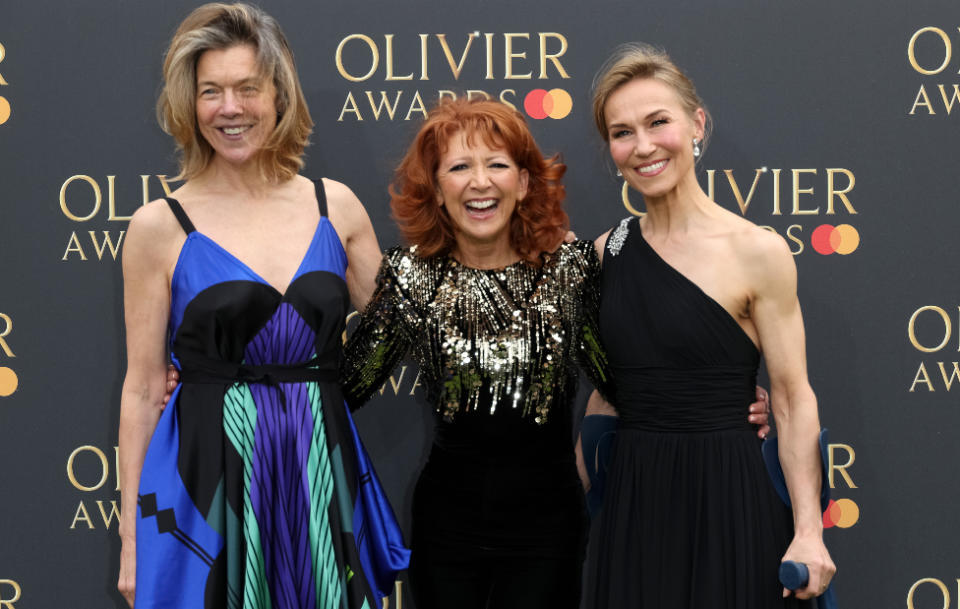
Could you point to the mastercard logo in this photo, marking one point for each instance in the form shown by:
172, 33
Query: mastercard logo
841, 239
555, 103
8, 381
842, 513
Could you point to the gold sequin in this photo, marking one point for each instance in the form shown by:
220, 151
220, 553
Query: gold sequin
513, 335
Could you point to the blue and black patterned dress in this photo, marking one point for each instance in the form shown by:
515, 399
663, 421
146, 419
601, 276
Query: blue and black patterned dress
256, 491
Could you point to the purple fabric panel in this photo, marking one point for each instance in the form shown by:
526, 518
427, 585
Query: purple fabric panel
279, 485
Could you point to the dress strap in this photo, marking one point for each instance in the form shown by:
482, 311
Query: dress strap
321, 196
181, 215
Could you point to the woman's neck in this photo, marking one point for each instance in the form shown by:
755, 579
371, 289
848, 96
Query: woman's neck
493, 255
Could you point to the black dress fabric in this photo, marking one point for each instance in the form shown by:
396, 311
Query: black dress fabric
690, 519
499, 515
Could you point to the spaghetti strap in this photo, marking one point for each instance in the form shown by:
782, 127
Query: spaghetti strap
181, 215
321, 196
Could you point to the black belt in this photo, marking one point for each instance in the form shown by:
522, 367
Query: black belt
205, 370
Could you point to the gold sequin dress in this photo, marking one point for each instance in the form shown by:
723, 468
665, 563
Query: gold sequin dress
498, 352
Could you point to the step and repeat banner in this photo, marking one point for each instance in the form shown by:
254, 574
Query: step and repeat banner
834, 129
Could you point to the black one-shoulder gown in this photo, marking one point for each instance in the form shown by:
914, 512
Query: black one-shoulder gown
690, 518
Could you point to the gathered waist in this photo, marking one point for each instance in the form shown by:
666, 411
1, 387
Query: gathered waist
197, 368
684, 399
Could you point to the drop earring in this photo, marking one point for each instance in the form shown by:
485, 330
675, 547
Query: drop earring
696, 149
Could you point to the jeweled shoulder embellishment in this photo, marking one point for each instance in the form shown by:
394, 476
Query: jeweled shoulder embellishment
619, 235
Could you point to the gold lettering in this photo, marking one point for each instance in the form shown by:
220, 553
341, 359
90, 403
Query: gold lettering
776, 191
73, 245
81, 509
8, 327
797, 191
711, 184
107, 242
948, 104
3, 53
624, 194
926, 102
7, 603
488, 38
792, 237
104, 470
948, 51
921, 372
390, 75
504, 100
114, 513
955, 375
112, 203
374, 58
911, 329
423, 56
455, 68
145, 181
416, 383
97, 198
554, 57
509, 56
472, 93
832, 192
416, 106
349, 105
395, 383
833, 467
384, 102
736, 189
929, 580
445, 93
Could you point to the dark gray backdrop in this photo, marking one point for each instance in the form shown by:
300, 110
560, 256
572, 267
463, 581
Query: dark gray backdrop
806, 90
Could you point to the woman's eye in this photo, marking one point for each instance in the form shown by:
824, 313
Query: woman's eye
459, 167
620, 133
659, 121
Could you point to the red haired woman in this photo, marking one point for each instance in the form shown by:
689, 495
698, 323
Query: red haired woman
498, 312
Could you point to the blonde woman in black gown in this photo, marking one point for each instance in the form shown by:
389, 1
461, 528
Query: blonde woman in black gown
691, 296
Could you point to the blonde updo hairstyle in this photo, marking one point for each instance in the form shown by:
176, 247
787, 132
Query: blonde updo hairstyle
636, 61
217, 26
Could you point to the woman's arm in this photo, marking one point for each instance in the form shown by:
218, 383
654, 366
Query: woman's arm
776, 314
359, 241
380, 340
146, 298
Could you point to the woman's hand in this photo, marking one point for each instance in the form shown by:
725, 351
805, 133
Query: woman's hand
127, 582
759, 413
173, 379
809, 550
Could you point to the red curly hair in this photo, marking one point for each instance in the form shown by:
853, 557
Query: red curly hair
538, 224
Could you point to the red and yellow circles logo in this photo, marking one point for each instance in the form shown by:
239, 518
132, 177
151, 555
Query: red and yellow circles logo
841, 239
555, 103
842, 513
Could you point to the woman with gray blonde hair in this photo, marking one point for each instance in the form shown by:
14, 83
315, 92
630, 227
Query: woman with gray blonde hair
691, 295
251, 489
